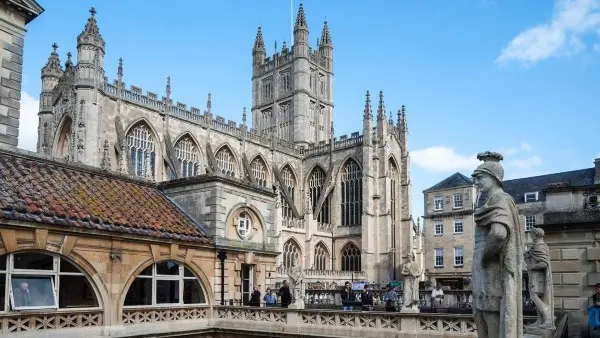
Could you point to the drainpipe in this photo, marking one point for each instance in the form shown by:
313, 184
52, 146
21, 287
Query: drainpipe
222, 256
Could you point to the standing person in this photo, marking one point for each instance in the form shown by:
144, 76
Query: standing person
367, 299
594, 314
348, 297
255, 297
269, 298
284, 293
22, 296
437, 297
390, 299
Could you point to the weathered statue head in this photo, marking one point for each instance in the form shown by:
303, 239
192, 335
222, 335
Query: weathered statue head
537, 233
490, 173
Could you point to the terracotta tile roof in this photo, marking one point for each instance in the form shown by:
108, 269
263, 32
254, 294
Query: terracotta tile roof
38, 190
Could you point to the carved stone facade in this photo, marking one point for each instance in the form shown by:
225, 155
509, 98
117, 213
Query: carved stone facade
14, 15
358, 186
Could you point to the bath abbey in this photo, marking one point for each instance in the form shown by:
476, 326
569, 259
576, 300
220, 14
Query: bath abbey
278, 188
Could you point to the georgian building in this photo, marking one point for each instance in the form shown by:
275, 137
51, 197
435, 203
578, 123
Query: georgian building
341, 205
565, 205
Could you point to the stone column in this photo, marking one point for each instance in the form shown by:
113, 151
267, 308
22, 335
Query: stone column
13, 19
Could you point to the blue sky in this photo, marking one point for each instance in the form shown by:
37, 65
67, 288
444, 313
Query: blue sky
519, 77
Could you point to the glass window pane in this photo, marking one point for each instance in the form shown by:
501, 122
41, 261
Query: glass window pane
167, 291
31, 291
66, 266
147, 271
2, 293
192, 292
187, 273
34, 261
140, 292
169, 268
3, 263
76, 291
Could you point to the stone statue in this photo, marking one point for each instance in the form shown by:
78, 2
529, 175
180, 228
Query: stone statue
277, 196
296, 275
537, 259
497, 255
411, 272
308, 204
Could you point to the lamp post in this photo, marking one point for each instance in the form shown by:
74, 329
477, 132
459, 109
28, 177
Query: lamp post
222, 256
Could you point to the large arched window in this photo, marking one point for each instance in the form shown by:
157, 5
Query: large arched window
64, 139
289, 180
140, 141
259, 171
291, 250
321, 257
393, 188
351, 194
351, 258
226, 161
316, 186
165, 283
32, 281
188, 157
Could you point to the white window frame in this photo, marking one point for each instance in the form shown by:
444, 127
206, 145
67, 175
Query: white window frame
250, 280
55, 272
179, 277
460, 198
243, 219
462, 226
533, 195
435, 256
439, 199
462, 256
435, 228
530, 225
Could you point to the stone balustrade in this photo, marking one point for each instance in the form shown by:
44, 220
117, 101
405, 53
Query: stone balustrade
319, 275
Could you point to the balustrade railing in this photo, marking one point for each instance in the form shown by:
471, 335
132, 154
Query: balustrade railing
32, 321
292, 223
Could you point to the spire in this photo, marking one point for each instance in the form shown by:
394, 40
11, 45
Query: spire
325, 36
208, 103
53, 66
244, 116
69, 62
120, 69
259, 43
403, 122
391, 120
381, 108
368, 115
301, 19
168, 88
91, 33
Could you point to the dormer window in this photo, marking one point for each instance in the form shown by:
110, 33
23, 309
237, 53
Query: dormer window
531, 196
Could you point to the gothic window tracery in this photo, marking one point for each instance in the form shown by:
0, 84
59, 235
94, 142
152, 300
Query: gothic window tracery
140, 141
393, 188
321, 257
259, 171
291, 250
286, 83
64, 139
351, 194
289, 180
188, 157
351, 258
226, 161
316, 186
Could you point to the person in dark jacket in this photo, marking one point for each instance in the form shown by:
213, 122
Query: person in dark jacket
284, 293
347, 297
255, 297
367, 299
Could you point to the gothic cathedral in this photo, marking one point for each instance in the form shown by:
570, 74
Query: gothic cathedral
342, 204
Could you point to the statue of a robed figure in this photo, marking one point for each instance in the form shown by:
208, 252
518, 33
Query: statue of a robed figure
411, 272
296, 275
497, 255
537, 258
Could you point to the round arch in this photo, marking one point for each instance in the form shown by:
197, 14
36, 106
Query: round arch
196, 270
242, 206
87, 269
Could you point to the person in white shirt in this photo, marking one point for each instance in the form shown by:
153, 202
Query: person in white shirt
437, 296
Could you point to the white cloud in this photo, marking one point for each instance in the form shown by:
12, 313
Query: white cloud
528, 163
443, 159
28, 122
513, 151
562, 35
